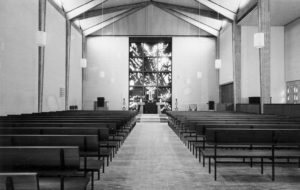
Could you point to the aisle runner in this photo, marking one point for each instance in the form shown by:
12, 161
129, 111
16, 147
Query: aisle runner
153, 157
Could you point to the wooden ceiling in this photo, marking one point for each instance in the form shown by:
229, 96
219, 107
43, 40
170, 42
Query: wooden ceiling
208, 15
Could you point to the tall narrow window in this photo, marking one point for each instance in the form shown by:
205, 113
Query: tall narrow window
150, 71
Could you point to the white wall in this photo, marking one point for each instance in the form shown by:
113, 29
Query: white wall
18, 56
109, 55
54, 74
292, 51
277, 65
250, 65
190, 54
226, 71
75, 91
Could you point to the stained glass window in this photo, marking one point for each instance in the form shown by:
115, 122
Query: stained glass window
150, 71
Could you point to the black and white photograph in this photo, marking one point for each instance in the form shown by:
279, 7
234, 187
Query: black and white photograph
149, 94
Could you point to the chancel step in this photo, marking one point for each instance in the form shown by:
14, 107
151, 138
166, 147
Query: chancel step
152, 118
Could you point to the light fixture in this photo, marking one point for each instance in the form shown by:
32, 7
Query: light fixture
41, 38
83, 63
259, 40
218, 63
199, 75
131, 83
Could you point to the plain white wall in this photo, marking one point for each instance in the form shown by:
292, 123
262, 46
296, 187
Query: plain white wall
18, 56
190, 55
226, 71
292, 51
19, 64
109, 55
75, 91
250, 65
54, 74
277, 65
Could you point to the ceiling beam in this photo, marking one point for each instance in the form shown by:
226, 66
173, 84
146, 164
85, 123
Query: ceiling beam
109, 21
59, 9
202, 12
99, 12
83, 8
218, 8
190, 20
242, 13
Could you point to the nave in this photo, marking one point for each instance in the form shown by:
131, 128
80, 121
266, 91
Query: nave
153, 157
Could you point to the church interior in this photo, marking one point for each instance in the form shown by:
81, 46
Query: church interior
149, 94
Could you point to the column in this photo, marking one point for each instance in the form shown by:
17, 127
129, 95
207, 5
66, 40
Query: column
237, 61
41, 53
264, 25
67, 75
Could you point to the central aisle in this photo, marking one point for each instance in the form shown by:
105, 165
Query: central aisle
153, 157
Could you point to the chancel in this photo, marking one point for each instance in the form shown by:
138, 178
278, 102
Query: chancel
149, 94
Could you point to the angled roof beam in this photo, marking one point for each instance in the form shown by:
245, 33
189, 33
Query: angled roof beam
109, 21
218, 8
83, 8
242, 13
99, 12
189, 20
197, 11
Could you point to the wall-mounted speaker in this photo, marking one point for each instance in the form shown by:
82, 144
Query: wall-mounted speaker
100, 102
254, 100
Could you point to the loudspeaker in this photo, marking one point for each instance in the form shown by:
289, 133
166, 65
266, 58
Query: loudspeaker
254, 100
211, 105
100, 102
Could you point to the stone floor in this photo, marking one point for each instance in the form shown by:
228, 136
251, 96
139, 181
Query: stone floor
153, 157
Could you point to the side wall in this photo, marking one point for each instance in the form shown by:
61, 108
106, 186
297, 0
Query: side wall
292, 49
18, 56
107, 71
226, 71
19, 64
250, 65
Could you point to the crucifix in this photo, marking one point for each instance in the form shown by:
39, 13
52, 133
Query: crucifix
150, 93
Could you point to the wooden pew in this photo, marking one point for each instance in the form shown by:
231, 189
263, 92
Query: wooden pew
109, 147
113, 132
271, 138
19, 181
61, 163
88, 147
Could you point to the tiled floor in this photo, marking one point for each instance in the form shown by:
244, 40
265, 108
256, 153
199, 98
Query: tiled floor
153, 157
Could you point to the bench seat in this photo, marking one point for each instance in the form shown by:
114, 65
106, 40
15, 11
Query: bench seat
70, 183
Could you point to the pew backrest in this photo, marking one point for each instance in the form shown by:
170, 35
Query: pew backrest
84, 142
19, 181
253, 136
38, 159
